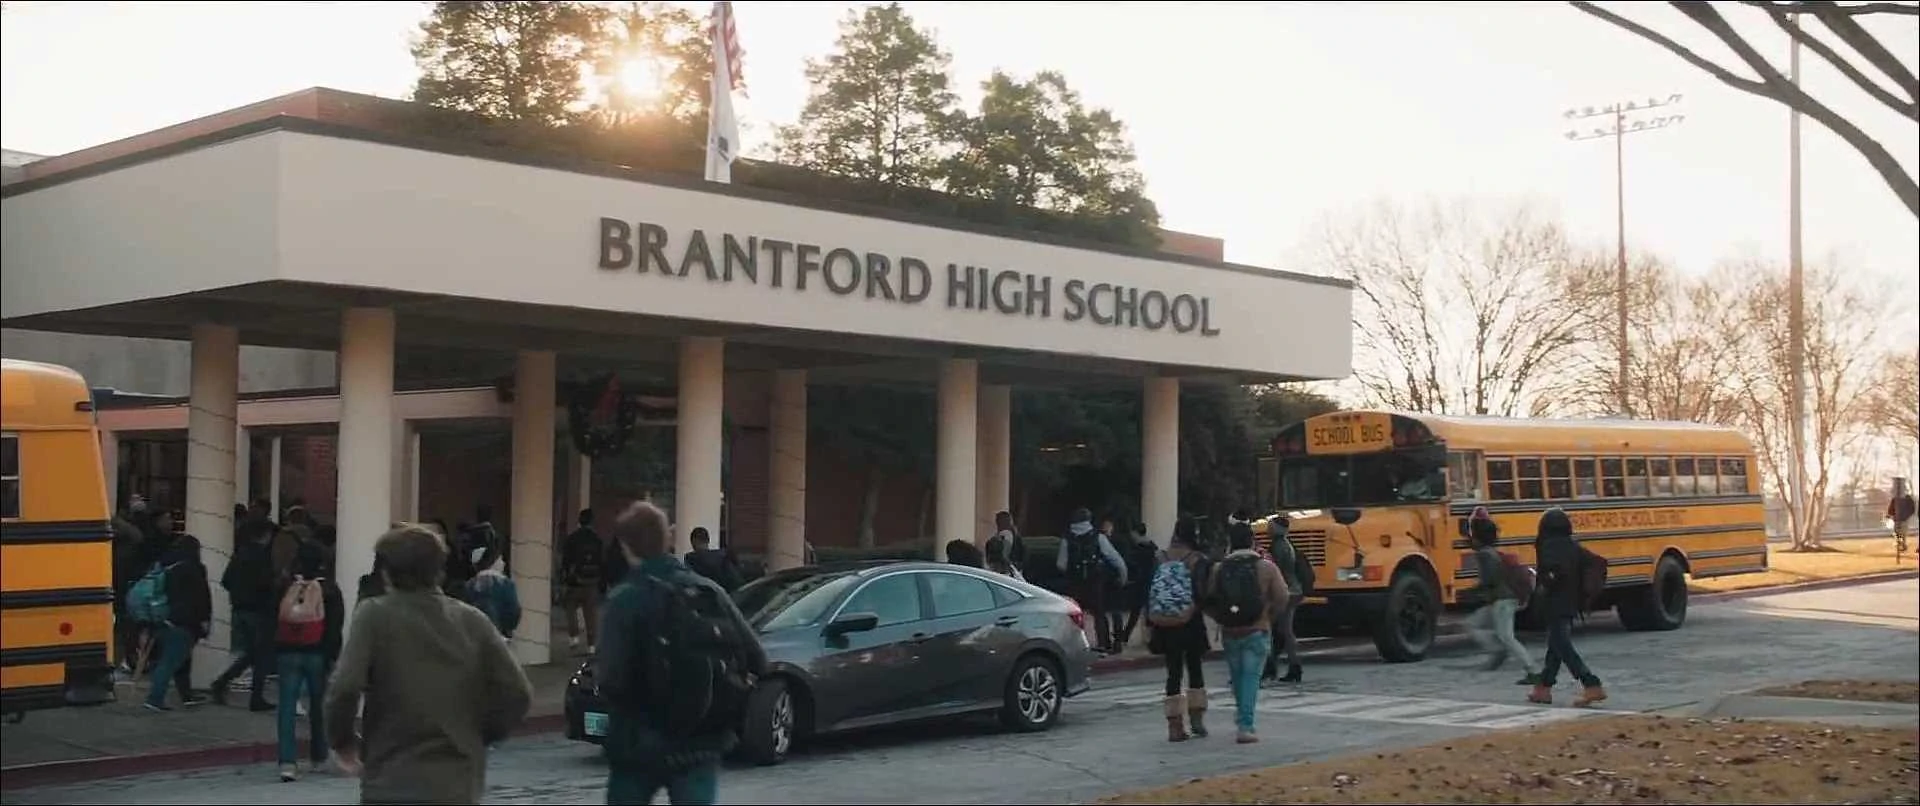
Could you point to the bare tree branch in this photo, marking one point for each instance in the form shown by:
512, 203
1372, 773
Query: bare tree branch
1785, 21
1856, 10
1772, 85
1850, 32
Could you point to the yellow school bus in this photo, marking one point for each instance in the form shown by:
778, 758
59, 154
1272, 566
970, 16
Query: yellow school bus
56, 544
1378, 502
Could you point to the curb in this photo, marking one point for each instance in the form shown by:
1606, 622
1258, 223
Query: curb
1815, 585
54, 773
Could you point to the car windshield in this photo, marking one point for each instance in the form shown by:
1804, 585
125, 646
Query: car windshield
1366, 479
791, 600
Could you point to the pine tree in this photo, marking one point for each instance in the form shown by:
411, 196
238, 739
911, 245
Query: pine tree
506, 60
881, 104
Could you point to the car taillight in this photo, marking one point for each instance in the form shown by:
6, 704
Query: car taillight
1078, 615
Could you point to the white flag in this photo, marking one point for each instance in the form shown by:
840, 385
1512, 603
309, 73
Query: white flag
723, 129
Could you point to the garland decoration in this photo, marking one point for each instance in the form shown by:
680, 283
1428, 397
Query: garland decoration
600, 417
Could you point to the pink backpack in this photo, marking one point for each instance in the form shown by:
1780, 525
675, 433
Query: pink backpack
303, 614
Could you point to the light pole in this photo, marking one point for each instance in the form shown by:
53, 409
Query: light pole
1796, 317
1626, 120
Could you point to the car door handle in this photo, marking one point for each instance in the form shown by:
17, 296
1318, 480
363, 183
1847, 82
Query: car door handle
920, 638
1007, 621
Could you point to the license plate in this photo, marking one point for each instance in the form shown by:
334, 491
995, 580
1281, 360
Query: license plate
593, 724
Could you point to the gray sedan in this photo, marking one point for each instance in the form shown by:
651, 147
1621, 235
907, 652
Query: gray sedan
860, 645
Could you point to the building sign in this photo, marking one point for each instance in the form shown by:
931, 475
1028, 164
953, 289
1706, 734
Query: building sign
899, 279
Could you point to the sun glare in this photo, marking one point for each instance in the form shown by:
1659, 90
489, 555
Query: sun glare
638, 80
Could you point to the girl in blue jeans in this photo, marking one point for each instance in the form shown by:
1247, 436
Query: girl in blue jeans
304, 651
189, 611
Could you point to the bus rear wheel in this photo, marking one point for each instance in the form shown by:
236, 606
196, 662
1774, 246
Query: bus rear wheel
1659, 606
1405, 629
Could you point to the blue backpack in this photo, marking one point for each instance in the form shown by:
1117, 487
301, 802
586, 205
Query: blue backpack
147, 600
1170, 599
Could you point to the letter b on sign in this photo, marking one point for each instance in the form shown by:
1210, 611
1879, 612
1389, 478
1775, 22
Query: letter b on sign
616, 244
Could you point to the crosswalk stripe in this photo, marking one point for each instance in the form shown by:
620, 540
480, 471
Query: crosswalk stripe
1365, 707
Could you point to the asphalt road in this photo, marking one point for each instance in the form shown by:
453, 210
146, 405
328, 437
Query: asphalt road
1113, 737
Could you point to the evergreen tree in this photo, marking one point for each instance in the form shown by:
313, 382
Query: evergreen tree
881, 104
1034, 143
506, 60
666, 45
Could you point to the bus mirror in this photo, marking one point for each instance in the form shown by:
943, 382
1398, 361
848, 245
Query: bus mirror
1345, 516
1465, 529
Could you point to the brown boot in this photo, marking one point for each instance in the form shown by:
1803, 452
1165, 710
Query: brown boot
1197, 711
1176, 708
1541, 695
1591, 695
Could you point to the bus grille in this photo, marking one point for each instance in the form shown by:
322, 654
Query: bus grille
1310, 544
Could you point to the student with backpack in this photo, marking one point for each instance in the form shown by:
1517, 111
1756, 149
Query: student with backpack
1179, 630
306, 642
583, 566
1246, 591
1142, 558
494, 593
250, 580
1504, 587
1004, 553
176, 603
1297, 572
1088, 561
677, 666
1566, 585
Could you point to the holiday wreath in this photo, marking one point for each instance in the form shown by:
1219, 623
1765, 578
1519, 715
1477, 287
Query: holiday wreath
600, 417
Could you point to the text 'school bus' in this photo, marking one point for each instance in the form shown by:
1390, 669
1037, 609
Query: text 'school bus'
56, 545
1378, 502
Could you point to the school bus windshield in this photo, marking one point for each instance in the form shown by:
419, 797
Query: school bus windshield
1408, 476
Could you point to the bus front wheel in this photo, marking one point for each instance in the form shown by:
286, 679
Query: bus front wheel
1660, 605
1405, 629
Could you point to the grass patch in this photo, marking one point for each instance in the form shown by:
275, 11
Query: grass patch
1634, 759
1841, 559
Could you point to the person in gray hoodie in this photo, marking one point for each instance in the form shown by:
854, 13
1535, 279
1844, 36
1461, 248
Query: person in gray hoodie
1089, 562
1492, 624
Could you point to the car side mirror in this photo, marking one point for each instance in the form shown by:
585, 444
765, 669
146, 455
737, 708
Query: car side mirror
1345, 516
851, 623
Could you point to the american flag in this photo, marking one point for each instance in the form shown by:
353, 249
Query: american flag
723, 129
726, 30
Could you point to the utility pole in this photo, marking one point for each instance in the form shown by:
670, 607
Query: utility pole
1797, 521
1624, 123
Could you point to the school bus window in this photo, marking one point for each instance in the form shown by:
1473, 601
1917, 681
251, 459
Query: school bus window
1703, 474
1733, 477
1637, 477
1560, 478
1612, 481
1661, 468
9, 476
1371, 479
1586, 482
1683, 476
1527, 472
1463, 475
1500, 479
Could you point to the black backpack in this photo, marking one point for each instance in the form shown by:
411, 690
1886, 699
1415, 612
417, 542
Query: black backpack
1083, 557
1238, 597
584, 558
695, 673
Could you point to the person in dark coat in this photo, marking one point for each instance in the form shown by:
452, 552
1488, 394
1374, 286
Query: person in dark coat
711, 562
1185, 646
1558, 560
189, 620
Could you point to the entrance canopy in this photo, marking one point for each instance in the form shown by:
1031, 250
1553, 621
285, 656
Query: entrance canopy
275, 225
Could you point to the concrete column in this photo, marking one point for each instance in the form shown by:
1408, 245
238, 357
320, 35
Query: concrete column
787, 471
579, 494
364, 454
994, 479
699, 413
110, 466
242, 462
532, 525
1160, 457
212, 404
273, 478
955, 470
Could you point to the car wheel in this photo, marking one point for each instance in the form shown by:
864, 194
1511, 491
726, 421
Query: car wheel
767, 733
1661, 605
1405, 630
1034, 695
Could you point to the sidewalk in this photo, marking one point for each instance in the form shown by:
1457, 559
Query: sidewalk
1848, 713
123, 738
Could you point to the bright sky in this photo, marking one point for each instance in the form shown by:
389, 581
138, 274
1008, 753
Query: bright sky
1251, 119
